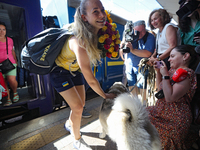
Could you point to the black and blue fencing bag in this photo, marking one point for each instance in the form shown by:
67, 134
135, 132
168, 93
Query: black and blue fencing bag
39, 53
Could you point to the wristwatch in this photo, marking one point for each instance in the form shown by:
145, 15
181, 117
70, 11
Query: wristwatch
165, 77
159, 59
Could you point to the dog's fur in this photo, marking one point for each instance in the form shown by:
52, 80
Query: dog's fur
125, 120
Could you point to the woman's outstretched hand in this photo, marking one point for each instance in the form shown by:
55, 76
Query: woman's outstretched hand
110, 96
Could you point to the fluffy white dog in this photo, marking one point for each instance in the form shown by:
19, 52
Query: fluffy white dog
125, 120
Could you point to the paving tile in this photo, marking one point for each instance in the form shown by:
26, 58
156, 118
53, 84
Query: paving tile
32, 143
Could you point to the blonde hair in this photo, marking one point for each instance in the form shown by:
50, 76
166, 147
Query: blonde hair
84, 32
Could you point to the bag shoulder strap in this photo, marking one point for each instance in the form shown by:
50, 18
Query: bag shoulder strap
157, 36
7, 45
145, 37
50, 31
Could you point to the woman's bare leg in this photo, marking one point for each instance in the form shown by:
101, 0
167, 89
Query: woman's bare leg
12, 82
134, 91
75, 97
8, 91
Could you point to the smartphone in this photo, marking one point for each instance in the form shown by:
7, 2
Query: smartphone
159, 64
196, 34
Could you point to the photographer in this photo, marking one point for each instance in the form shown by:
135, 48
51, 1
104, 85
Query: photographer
189, 22
142, 47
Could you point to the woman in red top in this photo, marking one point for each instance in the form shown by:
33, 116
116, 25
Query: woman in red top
10, 77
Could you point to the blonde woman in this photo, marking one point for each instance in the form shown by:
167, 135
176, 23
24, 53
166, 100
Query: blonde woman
78, 52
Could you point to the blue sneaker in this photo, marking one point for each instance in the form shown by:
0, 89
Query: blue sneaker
86, 114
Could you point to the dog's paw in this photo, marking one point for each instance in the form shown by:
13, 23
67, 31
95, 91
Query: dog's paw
102, 135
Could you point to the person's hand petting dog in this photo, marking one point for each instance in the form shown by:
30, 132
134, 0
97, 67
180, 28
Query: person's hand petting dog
110, 96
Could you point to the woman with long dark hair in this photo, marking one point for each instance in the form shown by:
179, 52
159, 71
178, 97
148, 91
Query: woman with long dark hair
172, 115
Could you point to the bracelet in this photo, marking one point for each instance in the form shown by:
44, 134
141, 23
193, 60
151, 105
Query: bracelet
165, 77
159, 59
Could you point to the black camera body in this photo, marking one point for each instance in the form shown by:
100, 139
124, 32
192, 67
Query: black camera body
130, 35
187, 9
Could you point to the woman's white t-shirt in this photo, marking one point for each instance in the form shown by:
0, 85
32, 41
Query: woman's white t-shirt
161, 40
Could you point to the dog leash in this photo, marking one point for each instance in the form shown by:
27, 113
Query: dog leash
135, 84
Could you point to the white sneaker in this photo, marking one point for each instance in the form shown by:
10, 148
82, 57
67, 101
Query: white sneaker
81, 145
68, 127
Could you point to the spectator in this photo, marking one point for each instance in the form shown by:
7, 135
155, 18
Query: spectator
167, 37
6, 43
172, 115
89, 17
189, 22
143, 47
123, 57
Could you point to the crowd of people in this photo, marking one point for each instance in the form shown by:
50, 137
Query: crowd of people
173, 46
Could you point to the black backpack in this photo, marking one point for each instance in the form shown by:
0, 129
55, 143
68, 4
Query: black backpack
39, 53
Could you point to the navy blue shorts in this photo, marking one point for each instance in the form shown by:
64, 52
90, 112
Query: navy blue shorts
61, 79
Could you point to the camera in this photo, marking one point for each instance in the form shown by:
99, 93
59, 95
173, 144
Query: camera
159, 64
130, 35
160, 94
196, 34
187, 9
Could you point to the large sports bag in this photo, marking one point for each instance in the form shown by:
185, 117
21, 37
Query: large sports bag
39, 53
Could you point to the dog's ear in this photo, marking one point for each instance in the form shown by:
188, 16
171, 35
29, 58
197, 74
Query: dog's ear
130, 118
108, 103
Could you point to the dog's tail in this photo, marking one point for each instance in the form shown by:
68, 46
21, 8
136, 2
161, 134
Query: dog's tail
127, 118
132, 107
